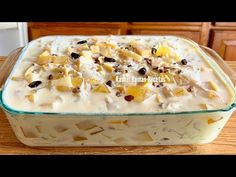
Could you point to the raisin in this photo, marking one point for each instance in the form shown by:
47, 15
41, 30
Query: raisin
96, 61
107, 59
50, 77
35, 84
184, 62
82, 42
129, 97
149, 61
109, 83
154, 50
142, 71
160, 70
118, 94
74, 55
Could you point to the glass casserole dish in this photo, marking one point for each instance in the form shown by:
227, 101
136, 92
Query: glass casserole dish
43, 128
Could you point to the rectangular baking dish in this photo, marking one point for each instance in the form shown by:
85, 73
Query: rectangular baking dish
129, 129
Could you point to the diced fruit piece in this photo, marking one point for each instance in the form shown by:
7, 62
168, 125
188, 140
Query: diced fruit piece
102, 88
96, 130
63, 88
143, 136
166, 52
82, 47
86, 125
108, 67
28, 133
95, 49
87, 54
167, 92
60, 60
141, 49
212, 94
17, 78
118, 122
65, 81
121, 89
30, 97
79, 138
203, 106
76, 81
93, 81
213, 86
179, 92
60, 129
158, 98
211, 121
139, 92
125, 54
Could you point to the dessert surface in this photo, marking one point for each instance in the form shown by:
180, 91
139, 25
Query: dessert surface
122, 74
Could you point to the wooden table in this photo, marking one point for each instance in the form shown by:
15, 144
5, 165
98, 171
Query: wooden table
224, 144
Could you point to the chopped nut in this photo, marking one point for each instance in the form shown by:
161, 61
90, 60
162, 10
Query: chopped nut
167, 92
213, 86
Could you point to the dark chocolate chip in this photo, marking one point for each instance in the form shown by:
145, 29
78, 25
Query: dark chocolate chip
129, 66
154, 50
118, 94
184, 62
109, 83
149, 61
50, 77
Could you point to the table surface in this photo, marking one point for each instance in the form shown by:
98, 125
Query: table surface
224, 144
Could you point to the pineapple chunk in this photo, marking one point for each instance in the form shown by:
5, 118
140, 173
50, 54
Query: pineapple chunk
93, 81
139, 92
166, 52
129, 54
179, 92
87, 54
143, 136
213, 86
76, 81
108, 67
141, 49
65, 81
46, 58
102, 88
82, 47
211, 94
95, 49
121, 89
203, 106
30, 97
86, 125
167, 92
63, 88
158, 98
60, 59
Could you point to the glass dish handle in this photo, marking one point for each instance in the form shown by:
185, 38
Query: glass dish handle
223, 65
8, 64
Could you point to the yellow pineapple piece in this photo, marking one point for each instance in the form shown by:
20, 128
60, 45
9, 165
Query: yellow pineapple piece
143, 136
30, 97
179, 92
125, 54
167, 92
63, 88
108, 67
82, 47
203, 106
121, 89
76, 81
158, 98
99, 68
95, 49
139, 92
93, 81
141, 49
166, 52
102, 88
87, 54
212, 94
65, 81
213, 86
60, 59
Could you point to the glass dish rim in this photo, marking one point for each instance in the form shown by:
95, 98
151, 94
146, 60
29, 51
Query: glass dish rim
24, 49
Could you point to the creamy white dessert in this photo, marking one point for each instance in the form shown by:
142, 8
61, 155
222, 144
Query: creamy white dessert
113, 74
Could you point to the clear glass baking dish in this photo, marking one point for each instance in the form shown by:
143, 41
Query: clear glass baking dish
128, 129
